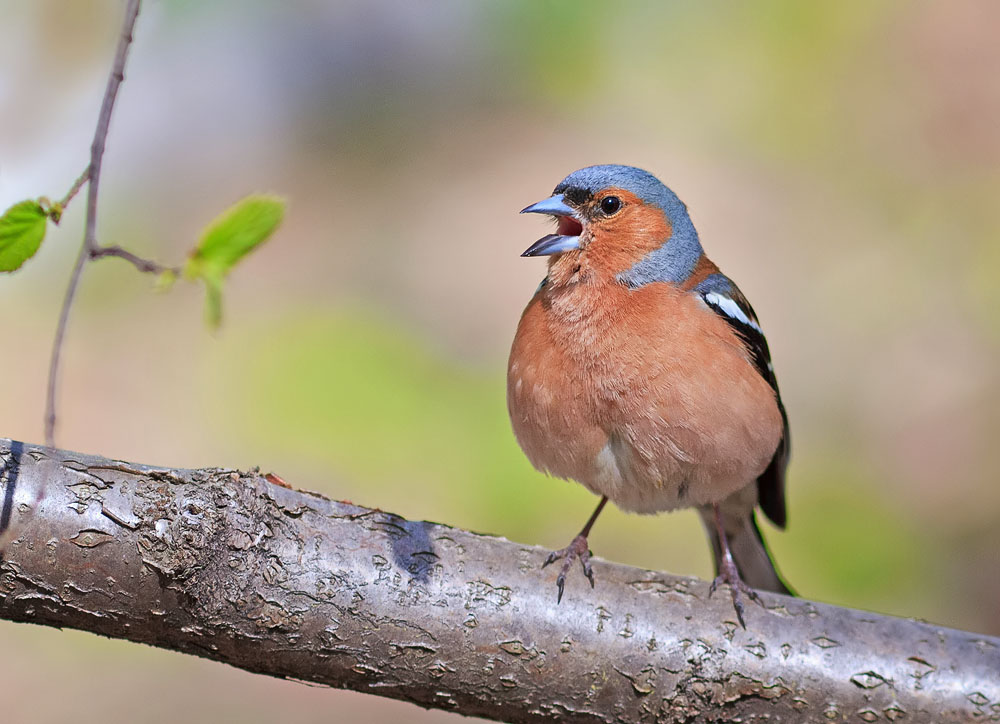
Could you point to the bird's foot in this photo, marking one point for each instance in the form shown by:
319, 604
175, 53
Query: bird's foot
729, 575
577, 548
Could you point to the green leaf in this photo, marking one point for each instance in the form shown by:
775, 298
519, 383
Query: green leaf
22, 228
233, 235
165, 280
213, 302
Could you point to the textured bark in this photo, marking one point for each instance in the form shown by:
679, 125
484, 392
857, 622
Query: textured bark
225, 565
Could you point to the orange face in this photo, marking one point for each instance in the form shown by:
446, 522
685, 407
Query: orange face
618, 229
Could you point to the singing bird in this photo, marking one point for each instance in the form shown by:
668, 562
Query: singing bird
640, 371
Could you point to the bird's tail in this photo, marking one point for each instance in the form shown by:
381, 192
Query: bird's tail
748, 549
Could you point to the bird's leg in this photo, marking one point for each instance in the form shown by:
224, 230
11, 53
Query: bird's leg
729, 573
577, 548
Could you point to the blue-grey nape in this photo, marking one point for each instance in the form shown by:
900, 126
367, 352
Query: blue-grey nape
673, 261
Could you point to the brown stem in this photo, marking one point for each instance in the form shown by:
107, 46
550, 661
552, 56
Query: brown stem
147, 266
75, 188
90, 231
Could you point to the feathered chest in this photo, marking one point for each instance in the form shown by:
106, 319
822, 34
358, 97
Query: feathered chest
635, 391
609, 338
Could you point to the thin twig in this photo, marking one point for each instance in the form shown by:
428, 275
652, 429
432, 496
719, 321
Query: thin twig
89, 237
147, 266
75, 188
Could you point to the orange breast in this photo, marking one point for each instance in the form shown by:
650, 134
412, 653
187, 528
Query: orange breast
644, 395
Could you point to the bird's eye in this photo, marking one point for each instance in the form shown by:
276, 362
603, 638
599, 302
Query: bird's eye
610, 204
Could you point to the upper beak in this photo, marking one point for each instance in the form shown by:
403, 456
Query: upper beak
552, 243
554, 206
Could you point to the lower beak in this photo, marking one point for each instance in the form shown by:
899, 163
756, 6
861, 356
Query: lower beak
552, 243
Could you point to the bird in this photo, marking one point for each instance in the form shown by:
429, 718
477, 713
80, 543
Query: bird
640, 370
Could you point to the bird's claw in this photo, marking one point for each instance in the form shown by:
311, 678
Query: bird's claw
729, 575
578, 549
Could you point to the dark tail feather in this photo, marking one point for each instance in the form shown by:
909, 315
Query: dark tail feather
749, 552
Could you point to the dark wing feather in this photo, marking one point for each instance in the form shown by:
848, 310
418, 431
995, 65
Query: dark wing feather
725, 299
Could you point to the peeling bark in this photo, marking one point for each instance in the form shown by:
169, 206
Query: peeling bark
225, 565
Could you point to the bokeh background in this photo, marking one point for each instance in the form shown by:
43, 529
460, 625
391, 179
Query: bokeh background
841, 161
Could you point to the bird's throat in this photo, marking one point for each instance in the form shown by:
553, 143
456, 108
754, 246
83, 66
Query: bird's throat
565, 269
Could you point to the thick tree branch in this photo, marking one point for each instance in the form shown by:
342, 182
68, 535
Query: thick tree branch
93, 178
228, 566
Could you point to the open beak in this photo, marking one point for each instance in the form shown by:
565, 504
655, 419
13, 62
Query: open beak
567, 237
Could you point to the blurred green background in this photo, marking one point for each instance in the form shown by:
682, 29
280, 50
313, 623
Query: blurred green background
841, 161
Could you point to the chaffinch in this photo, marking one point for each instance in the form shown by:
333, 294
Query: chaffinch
641, 371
